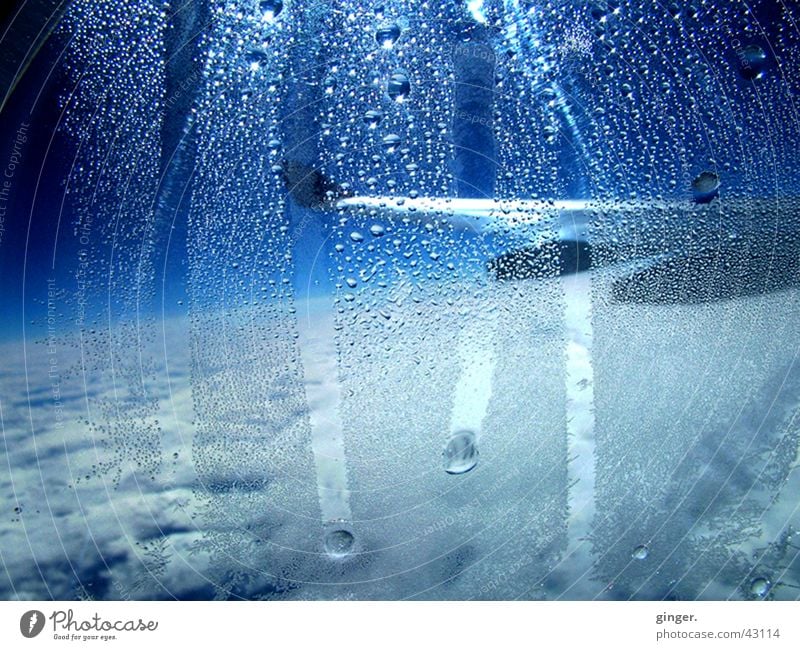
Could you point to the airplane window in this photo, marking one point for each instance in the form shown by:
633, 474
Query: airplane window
400, 300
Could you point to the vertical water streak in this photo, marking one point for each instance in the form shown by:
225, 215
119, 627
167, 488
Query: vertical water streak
580, 428
310, 250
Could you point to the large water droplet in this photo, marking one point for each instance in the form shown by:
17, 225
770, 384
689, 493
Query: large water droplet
752, 61
705, 186
329, 85
760, 587
461, 453
256, 59
549, 94
641, 552
339, 543
387, 34
391, 142
270, 9
373, 118
399, 86
598, 13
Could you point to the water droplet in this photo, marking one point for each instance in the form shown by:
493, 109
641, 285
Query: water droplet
760, 587
256, 59
461, 453
391, 142
705, 186
356, 236
373, 118
387, 34
752, 61
329, 85
352, 283
598, 13
640, 552
339, 543
398, 87
377, 230
270, 9
549, 94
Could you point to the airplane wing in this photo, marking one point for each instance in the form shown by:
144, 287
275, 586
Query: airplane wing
669, 252
480, 215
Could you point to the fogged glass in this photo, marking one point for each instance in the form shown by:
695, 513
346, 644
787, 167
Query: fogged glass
351, 300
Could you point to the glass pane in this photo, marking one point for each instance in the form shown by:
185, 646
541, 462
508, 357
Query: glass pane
352, 300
